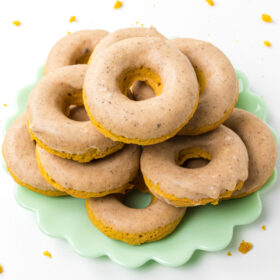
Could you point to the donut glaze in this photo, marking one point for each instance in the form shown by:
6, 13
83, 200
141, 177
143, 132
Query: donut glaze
218, 85
145, 122
74, 48
47, 110
112, 174
226, 171
123, 34
133, 226
261, 147
19, 154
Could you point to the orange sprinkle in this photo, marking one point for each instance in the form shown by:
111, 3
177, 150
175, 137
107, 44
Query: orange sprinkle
5, 105
266, 18
210, 2
229, 253
267, 43
47, 254
1, 269
118, 4
72, 19
245, 247
263, 227
17, 23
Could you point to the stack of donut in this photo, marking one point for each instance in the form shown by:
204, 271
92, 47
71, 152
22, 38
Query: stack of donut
131, 109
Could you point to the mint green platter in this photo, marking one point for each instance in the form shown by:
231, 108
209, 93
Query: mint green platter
207, 228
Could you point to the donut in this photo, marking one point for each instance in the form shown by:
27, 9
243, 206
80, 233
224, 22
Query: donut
19, 154
164, 68
47, 110
226, 171
74, 48
130, 225
218, 85
122, 34
112, 174
261, 147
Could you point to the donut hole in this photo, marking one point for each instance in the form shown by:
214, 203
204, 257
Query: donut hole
83, 57
200, 78
78, 113
140, 79
140, 91
193, 158
137, 199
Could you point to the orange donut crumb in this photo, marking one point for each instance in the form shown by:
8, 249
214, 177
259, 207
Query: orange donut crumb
263, 227
1, 269
47, 254
16, 22
210, 2
68, 32
72, 19
5, 105
229, 253
266, 18
118, 4
267, 43
245, 247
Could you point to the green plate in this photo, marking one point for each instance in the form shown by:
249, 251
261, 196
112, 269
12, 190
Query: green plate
208, 228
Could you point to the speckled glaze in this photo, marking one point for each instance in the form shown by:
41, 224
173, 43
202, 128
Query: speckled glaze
228, 165
73, 48
155, 119
91, 179
47, 110
220, 94
134, 226
123, 34
19, 154
261, 147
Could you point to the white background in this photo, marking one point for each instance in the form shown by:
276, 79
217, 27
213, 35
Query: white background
234, 26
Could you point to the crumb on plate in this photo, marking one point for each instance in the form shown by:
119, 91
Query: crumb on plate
16, 22
1, 268
47, 254
266, 18
263, 227
210, 2
118, 4
68, 32
245, 247
5, 105
267, 43
229, 253
142, 25
72, 19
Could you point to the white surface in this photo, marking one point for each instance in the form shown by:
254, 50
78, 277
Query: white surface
234, 26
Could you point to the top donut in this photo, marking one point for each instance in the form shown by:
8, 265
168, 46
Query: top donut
161, 66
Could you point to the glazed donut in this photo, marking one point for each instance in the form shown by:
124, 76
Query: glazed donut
226, 171
218, 85
19, 154
146, 122
74, 48
112, 174
47, 110
133, 226
123, 34
261, 147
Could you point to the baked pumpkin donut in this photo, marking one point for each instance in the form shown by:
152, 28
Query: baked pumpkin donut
74, 48
163, 68
218, 85
47, 110
130, 225
19, 154
261, 147
226, 171
122, 34
112, 174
